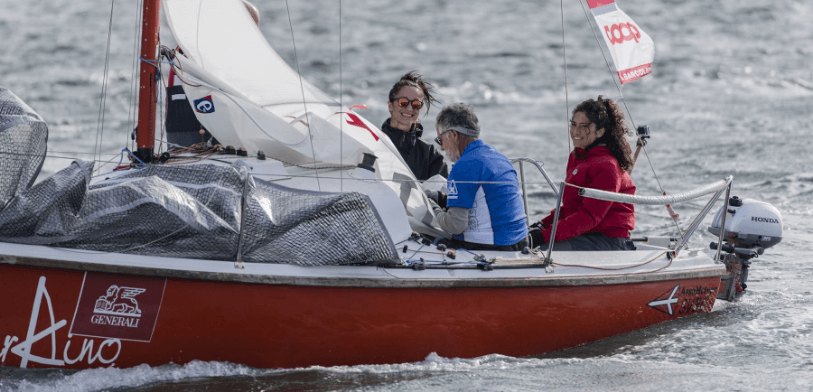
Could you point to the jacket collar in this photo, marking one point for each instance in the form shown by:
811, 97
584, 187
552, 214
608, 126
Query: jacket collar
398, 136
597, 149
474, 144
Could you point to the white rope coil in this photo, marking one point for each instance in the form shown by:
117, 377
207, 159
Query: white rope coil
654, 200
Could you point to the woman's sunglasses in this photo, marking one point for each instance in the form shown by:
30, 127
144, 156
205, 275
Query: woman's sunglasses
403, 102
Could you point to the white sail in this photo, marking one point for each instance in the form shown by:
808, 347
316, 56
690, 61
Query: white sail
221, 38
631, 48
247, 96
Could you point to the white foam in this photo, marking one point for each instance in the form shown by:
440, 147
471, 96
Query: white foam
107, 378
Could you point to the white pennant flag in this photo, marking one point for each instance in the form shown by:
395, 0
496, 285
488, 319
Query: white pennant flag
632, 49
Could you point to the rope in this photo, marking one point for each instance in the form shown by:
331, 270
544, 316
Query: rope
131, 117
161, 108
622, 268
341, 103
669, 209
103, 98
564, 59
291, 164
302, 88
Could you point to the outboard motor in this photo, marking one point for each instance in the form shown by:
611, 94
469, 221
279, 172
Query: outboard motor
751, 226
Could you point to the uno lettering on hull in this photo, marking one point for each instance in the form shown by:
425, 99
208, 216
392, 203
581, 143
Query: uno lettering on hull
118, 307
44, 342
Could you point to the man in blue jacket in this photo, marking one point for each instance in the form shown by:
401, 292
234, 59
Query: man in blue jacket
484, 206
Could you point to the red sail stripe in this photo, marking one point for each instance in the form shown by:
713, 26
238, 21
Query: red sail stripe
598, 3
357, 122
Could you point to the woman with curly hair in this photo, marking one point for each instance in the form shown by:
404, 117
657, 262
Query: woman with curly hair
406, 100
601, 159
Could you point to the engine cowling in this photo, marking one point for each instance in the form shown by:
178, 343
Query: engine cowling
749, 223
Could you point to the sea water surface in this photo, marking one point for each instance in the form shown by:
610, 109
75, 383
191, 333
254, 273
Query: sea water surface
731, 94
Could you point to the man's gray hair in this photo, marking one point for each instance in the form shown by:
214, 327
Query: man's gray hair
460, 117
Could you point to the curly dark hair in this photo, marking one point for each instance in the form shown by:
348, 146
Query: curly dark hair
414, 79
608, 115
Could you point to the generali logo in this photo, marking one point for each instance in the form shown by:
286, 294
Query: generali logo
118, 307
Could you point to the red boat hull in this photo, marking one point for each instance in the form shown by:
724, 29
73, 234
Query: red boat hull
284, 326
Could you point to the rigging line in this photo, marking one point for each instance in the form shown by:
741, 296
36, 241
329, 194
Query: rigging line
161, 108
618, 87
302, 88
564, 59
121, 157
341, 103
103, 98
49, 156
131, 106
225, 159
629, 114
609, 68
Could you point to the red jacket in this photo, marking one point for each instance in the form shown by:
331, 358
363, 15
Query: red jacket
579, 215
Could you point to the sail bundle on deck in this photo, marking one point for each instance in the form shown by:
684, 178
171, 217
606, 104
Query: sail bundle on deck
197, 211
23, 145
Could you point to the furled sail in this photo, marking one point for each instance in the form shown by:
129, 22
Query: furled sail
247, 96
631, 48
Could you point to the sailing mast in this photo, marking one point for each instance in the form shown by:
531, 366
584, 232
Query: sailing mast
148, 82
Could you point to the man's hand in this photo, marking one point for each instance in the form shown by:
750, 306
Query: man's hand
431, 195
438, 197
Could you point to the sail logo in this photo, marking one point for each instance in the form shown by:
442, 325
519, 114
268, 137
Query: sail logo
616, 35
205, 105
118, 307
355, 120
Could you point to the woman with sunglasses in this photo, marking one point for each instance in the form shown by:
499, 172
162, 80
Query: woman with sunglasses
601, 159
406, 100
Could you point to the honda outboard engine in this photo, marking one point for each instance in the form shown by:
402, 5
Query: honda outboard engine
751, 226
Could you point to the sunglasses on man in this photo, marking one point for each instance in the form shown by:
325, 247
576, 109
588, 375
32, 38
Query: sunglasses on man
437, 139
403, 102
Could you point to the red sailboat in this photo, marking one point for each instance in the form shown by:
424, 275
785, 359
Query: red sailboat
284, 251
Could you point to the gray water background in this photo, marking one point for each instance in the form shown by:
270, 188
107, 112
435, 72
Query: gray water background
731, 94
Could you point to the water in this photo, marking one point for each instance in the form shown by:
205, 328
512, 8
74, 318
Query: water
731, 94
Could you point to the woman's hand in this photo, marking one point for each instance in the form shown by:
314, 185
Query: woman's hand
538, 225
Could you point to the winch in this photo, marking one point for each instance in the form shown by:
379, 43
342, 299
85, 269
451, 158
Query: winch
751, 226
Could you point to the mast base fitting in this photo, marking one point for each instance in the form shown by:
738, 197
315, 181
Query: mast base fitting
145, 155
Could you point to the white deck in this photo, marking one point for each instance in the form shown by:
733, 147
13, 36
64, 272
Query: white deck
511, 269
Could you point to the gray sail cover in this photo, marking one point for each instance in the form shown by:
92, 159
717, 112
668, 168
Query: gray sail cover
196, 211
23, 144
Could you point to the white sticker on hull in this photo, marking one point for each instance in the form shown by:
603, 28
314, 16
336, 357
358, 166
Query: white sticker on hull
665, 302
23, 349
